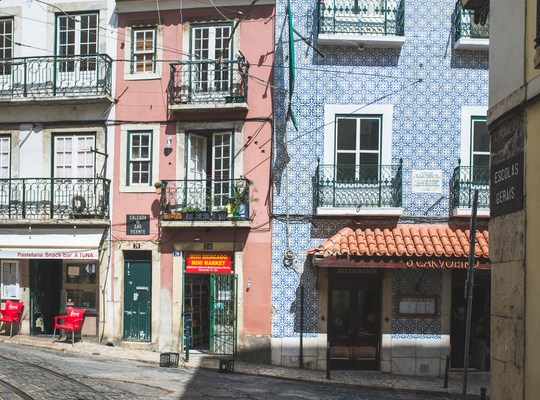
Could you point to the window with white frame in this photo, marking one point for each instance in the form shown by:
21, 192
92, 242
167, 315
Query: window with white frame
143, 52
139, 158
5, 157
479, 149
77, 37
6, 44
209, 170
211, 43
10, 280
357, 174
73, 156
358, 147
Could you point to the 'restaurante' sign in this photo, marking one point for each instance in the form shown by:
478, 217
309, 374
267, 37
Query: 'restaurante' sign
207, 263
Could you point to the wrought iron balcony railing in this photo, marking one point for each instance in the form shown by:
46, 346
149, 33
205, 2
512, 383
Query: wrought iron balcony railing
464, 181
54, 198
467, 28
362, 17
359, 186
199, 82
205, 199
55, 76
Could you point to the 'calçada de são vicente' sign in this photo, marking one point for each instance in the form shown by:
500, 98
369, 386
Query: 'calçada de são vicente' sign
208, 263
506, 189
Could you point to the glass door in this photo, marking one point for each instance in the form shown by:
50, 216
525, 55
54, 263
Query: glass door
77, 47
353, 327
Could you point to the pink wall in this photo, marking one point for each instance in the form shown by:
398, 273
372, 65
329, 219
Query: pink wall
146, 101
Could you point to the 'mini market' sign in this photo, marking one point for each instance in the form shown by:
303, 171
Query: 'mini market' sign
208, 263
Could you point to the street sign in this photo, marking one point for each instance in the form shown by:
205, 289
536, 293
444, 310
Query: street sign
506, 190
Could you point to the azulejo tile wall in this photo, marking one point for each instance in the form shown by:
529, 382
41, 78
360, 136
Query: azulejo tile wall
426, 81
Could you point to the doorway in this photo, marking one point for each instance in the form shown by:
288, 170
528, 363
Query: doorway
479, 344
137, 296
45, 295
353, 325
210, 312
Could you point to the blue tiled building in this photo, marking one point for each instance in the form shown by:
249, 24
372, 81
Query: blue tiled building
373, 191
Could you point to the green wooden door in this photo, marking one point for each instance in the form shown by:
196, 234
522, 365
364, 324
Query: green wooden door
137, 300
222, 314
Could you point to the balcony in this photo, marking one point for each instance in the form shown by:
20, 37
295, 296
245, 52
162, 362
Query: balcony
470, 34
59, 78
54, 198
464, 182
359, 189
369, 23
208, 85
205, 202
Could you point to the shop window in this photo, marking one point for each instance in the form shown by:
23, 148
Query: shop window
81, 286
10, 280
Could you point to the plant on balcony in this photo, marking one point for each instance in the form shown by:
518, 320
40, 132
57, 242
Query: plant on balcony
158, 187
238, 203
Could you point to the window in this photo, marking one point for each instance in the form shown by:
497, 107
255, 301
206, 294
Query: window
209, 165
210, 43
6, 44
81, 285
139, 158
77, 36
5, 157
479, 149
358, 174
73, 156
10, 280
143, 51
358, 143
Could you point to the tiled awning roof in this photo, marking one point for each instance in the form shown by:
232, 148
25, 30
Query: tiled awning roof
404, 241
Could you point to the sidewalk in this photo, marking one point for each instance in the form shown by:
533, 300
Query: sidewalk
367, 379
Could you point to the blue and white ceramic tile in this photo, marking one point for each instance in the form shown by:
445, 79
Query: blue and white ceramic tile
426, 134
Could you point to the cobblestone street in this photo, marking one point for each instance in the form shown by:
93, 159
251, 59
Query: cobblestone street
33, 373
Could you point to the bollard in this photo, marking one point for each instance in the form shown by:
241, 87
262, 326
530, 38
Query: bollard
446, 371
483, 393
328, 362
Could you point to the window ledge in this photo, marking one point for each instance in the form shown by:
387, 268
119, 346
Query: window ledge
471, 44
361, 41
142, 76
389, 211
137, 189
466, 212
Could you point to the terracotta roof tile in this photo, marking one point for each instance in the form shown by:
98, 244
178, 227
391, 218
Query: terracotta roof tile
404, 240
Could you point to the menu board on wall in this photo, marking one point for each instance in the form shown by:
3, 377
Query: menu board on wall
417, 305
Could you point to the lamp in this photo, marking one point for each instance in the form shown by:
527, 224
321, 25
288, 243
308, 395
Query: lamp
168, 147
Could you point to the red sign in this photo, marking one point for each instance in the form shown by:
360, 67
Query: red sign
206, 263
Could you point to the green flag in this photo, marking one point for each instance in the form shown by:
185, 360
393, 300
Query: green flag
290, 112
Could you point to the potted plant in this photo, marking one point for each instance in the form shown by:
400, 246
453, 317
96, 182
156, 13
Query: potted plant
158, 186
189, 211
241, 198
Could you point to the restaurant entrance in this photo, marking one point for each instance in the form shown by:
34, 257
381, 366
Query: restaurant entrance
353, 324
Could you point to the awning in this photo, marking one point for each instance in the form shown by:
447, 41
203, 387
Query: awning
406, 242
60, 243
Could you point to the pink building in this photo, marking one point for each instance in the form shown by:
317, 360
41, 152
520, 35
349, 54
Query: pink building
191, 228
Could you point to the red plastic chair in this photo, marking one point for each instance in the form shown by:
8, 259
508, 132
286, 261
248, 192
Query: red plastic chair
73, 321
12, 314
